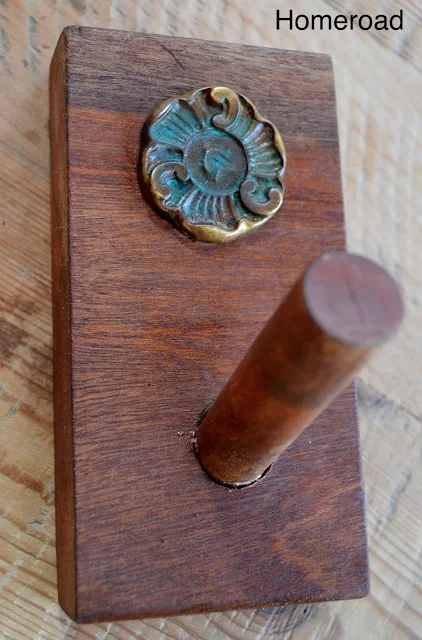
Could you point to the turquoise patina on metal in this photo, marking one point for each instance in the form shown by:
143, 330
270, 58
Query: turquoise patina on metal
212, 164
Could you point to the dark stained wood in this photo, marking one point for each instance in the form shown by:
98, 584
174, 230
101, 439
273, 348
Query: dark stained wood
157, 325
62, 349
328, 326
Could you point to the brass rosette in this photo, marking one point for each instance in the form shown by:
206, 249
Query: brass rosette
212, 165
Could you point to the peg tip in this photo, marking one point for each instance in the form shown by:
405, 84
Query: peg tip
353, 300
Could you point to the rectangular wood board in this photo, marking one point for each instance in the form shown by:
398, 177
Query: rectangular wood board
149, 325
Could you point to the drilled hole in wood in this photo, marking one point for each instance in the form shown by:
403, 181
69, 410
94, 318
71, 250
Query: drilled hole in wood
195, 448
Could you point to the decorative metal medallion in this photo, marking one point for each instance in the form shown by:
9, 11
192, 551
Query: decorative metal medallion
212, 164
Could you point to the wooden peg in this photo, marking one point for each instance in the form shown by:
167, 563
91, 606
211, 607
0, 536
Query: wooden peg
335, 316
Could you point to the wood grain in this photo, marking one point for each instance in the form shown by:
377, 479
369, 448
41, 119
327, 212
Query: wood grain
140, 341
62, 293
380, 134
406, 43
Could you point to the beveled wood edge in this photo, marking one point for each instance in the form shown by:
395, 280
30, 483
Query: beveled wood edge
358, 593
76, 30
62, 349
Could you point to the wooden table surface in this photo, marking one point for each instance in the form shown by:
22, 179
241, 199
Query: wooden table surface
378, 76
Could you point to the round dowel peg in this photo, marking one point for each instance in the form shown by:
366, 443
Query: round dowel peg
342, 309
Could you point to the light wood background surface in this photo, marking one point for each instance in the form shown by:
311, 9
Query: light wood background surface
379, 94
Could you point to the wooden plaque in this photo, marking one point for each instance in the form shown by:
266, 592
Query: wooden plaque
149, 325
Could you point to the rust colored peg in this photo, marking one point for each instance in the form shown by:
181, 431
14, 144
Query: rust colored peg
335, 316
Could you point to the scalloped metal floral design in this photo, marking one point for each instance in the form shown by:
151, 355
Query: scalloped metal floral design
212, 164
